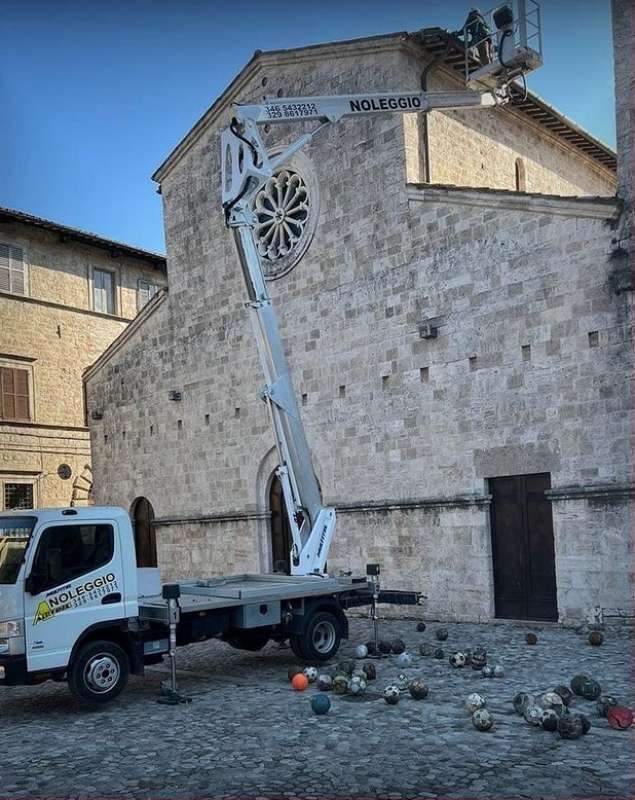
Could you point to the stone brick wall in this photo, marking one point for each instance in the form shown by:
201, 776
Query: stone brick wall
54, 334
529, 371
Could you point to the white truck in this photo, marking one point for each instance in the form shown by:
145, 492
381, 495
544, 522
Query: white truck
73, 604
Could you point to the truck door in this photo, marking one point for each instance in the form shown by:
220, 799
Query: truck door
75, 580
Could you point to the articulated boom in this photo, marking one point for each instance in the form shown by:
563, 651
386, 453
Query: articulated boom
246, 166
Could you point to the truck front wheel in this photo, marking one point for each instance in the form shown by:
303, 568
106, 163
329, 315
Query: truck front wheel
321, 639
99, 672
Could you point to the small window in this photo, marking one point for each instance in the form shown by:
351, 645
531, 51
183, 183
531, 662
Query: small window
67, 551
521, 180
12, 273
14, 394
103, 291
145, 292
18, 495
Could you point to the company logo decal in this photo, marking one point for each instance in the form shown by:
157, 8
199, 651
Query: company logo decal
68, 596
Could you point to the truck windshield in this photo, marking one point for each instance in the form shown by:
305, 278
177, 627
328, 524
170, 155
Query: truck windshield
14, 538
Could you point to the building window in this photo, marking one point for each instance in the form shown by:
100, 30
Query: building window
521, 179
103, 291
12, 270
145, 292
14, 394
18, 495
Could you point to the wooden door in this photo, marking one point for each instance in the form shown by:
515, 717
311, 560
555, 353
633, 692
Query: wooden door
280, 529
522, 548
144, 533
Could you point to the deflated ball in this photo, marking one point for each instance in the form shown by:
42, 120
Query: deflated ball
324, 682
595, 638
418, 689
565, 693
604, 702
570, 727
421, 626
577, 683
531, 638
591, 690
370, 671
391, 695
499, 672
441, 634
404, 660
457, 660
474, 702
439, 653
320, 703
300, 682
619, 717
482, 719
549, 720
311, 674
398, 646
361, 651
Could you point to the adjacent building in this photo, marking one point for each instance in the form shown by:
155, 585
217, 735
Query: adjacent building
65, 295
456, 304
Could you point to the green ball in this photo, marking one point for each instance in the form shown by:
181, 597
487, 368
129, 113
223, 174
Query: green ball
320, 703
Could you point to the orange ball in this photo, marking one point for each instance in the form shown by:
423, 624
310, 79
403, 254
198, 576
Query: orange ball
300, 682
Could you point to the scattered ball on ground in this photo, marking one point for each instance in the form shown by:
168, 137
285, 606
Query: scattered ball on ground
418, 689
299, 682
478, 658
570, 727
404, 660
439, 653
619, 717
346, 667
591, 690
441, 634
487, 671
340, 684
474, 702
595, 638
426, 649
311, 674
531, 638
385, 647
551, 700
361, 651
565, 693
391, 695
499, 672
549, 720
292, 671
457, 660
533, 715
398, 646
320, 703
604, 702
324, 683
402, 682
521, 701
577, 683
482, 719
421, 626
371, 672
372, 650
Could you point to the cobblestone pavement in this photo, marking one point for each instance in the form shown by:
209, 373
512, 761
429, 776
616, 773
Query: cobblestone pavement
248, 733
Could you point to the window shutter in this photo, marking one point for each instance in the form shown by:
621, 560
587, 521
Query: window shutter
14, 394
21, 385
5, 274
18, 283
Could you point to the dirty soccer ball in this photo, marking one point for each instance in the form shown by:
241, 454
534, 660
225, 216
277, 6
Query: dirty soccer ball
549, 720
552, 700
357, 686
391, 695
577, 683
324, 683
320, 703
474, 702
361, 651
421, 626
487, 671
311, 674
402, 682
591, 690
482, 719
418, 689
478, 658
457, 660
565, 693
605, 701
619, 717
398, 646
533, 715
522, 701
439, 653
570, 727
531, 638
499, 672
370, 671
441, 634
340, 684
404, 659
595, 638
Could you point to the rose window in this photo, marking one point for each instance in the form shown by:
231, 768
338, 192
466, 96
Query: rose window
282, 211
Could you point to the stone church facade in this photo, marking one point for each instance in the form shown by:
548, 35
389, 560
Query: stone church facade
456, 312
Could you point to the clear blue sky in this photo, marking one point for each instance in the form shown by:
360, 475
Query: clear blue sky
95, 93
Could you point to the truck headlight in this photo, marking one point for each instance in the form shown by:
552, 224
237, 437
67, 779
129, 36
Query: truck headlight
11, 628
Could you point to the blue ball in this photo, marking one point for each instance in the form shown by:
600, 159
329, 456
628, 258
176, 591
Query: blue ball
320, 703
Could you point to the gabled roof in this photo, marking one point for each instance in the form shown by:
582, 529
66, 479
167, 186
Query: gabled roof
75, 234
439, 44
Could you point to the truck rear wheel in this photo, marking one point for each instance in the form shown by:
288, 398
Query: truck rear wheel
321, 639
99, 672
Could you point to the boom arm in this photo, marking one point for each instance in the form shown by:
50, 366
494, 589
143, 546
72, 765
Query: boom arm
246, 166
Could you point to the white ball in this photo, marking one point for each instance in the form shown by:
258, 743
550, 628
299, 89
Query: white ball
474, 702
404, 659
311, 674
361, 651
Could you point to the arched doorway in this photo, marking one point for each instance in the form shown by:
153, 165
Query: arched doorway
280, 530
145, 539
